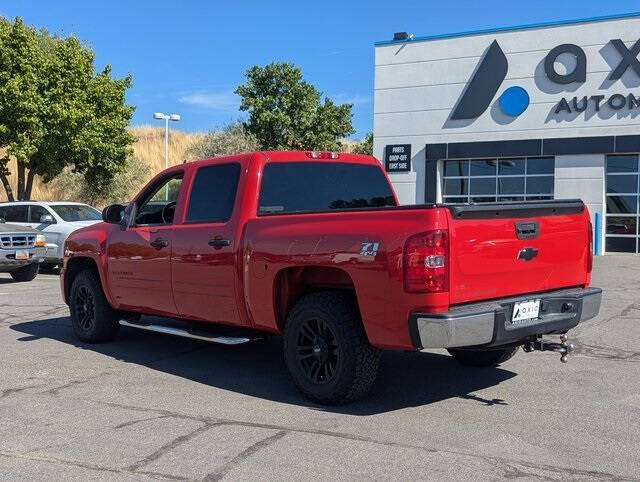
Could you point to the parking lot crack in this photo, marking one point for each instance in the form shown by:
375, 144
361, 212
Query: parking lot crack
156, 475
209, 422
169, 446
10, 391
54, 460
629, 309
244, 455
56, 390
157, 411
140, 420
514, 470
607, 352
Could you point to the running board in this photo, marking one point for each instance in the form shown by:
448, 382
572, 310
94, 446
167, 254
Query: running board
186, 333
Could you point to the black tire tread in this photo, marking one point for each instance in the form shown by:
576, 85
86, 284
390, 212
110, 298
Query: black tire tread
343, 308
25, 273
483, 358
107, 320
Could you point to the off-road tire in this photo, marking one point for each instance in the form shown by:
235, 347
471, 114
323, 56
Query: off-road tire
25, 273
92, 318
483, 358
356, 361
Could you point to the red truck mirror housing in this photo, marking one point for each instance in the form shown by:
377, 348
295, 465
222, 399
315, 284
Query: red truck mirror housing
113, 214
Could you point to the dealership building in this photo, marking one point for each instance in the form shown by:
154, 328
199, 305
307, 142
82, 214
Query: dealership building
546, 111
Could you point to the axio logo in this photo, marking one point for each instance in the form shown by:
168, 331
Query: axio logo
484, 85
492, 70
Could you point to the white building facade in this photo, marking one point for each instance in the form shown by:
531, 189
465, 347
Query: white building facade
547, 111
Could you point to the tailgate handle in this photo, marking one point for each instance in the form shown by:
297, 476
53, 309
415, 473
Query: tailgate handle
527, 254
527, 230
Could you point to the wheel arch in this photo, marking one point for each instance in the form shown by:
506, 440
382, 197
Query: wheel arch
293, 283
75, 266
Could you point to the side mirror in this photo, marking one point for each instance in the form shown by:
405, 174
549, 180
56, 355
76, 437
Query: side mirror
46, 219
113, 214
2, 221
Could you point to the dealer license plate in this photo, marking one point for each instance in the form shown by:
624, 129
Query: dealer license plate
22, 254
525, 310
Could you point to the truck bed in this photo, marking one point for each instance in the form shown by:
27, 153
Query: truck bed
482, 261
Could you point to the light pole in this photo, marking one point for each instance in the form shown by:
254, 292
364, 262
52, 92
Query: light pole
166, 118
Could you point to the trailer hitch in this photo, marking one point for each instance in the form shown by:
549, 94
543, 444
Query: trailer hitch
539, 344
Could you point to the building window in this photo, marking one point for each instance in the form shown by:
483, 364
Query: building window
498, 180
623, 189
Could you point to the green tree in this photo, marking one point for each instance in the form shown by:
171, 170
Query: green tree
365, 146
56, 111
232, 139
74, 186
285, 112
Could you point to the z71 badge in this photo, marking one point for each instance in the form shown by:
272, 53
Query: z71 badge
369, 249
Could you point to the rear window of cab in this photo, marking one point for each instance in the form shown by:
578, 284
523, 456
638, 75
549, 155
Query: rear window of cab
304, 187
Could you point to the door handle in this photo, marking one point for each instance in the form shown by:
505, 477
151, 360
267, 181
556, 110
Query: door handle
219, 243
159, 243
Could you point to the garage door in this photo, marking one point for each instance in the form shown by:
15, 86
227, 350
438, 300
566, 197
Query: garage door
498, 180
621, 234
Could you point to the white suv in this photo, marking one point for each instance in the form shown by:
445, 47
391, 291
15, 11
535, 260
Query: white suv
56, 220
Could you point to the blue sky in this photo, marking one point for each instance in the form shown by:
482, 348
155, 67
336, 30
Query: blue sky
188, 56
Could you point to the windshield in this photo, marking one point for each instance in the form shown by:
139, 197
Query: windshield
73, 212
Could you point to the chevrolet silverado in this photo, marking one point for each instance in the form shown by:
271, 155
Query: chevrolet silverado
313, 246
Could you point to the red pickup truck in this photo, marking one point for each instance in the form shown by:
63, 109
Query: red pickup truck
314, 246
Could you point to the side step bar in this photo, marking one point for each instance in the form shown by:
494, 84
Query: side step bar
187, 333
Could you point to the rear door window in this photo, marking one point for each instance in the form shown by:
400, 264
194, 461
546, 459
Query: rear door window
299, 187
213, 194
14, 214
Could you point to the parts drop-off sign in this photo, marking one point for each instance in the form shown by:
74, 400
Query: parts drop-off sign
397, 158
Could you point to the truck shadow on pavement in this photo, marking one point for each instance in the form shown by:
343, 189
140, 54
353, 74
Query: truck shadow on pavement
7, 281
257, 369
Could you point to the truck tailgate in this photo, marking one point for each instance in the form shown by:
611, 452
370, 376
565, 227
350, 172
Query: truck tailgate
500, 250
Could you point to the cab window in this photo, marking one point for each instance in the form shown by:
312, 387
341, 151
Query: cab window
159, 206
307, 187
14, 214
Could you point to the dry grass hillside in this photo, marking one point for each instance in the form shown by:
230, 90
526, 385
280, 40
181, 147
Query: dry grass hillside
148, 148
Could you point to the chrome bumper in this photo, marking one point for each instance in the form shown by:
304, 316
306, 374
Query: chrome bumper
8, 261
488, 324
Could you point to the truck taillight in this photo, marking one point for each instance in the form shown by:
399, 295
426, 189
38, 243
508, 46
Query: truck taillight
425, 260
322, 155
590, 254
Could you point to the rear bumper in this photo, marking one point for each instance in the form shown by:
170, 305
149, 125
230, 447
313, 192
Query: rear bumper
489, 324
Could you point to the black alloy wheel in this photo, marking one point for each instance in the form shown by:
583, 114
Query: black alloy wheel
326, 349
85, 308
318, 352
92, 317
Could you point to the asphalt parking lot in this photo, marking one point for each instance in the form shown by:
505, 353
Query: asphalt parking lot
153, 406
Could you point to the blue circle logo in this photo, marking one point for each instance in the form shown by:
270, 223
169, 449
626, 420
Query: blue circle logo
514, 101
